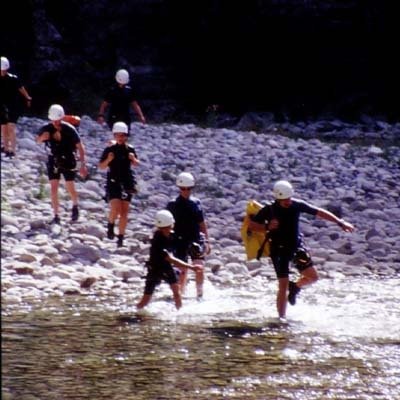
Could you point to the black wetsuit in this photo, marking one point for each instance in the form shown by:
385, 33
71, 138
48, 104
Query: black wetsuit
120, 177
188, 215
119, 100
62, 153
286, 239
10, 109
159, 268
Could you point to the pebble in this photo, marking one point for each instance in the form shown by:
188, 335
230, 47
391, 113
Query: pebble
231, 166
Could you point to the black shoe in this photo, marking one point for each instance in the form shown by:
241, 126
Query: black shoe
10, 154
110, 231
294, 290
120, 241
75, 213
56, 220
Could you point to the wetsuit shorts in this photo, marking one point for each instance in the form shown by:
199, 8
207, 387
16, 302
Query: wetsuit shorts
8, 115
154, 278
281, 259
116, 190
53, 172
194, 250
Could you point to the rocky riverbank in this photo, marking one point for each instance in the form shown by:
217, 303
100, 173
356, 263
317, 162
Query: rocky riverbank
357, 182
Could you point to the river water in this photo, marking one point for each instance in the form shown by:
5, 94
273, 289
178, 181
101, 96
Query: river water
341, 341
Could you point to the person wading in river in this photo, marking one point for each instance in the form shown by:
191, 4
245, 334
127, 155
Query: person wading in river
190, 232
280, 221
160, 265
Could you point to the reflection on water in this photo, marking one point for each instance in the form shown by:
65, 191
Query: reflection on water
341, 341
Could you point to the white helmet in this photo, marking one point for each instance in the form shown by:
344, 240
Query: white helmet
283, 190
185, 179
56, 112
5, 64
120, 127
164, 218
122, 76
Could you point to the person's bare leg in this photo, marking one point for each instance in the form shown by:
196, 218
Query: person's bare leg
177, 295
12, 137
115, 209
199, 277
70, 186
123, 216
281, 299
144, 301
54, 184
183, 277
307, 277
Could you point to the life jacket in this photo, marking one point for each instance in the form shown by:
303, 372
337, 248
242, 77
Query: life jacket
72, 119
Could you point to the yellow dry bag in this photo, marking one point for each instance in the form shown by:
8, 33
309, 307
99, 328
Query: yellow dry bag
253, 241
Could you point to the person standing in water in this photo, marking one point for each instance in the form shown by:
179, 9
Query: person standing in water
280, 221
190, 232
162, 261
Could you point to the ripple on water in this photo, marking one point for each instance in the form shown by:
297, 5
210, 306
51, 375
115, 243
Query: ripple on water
340, 335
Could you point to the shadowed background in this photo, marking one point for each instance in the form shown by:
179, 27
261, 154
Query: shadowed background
296, 59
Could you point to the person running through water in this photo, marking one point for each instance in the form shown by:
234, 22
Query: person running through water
280, 221
119, 101
118, 158
161, 262
190, 232
63, 140
11, 89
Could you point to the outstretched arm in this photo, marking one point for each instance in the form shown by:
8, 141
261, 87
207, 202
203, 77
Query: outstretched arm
327, 215
181, 264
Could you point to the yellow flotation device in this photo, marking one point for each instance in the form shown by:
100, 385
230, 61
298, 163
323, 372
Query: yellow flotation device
253, 241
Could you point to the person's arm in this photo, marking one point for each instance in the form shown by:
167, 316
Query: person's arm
103, 164
102, 110
181, 264
138, 111
327, 215
24, 93
43, 137
133, 159
82, 159
203, 229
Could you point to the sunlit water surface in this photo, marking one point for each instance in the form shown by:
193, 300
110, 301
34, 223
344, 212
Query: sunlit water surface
340, 341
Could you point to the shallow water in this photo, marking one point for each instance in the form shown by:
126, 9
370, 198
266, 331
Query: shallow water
341, 341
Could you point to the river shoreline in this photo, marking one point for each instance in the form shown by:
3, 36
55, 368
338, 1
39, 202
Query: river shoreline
359, 183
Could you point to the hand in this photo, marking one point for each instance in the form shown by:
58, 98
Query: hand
110, 157
133, 159
196, 267
45, 136
346, 226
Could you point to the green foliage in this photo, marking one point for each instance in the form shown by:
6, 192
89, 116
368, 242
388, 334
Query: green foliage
42, 193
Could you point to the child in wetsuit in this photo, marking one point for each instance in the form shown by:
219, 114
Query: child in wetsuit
161, 261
